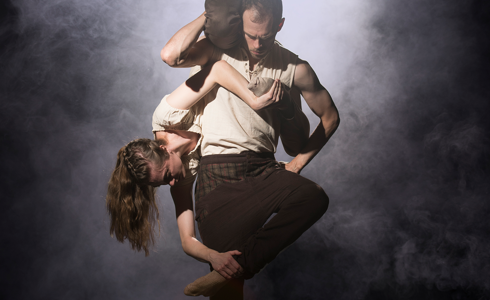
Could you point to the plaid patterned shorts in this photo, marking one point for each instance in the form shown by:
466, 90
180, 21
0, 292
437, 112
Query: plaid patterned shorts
215, 170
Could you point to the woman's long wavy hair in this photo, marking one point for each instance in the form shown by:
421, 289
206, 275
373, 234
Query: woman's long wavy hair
130, 199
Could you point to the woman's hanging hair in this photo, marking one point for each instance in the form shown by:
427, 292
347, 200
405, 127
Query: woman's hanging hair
130, 199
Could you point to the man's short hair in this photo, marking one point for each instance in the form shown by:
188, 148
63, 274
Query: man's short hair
265, 8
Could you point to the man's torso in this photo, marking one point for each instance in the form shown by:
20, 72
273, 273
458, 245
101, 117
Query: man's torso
229, 125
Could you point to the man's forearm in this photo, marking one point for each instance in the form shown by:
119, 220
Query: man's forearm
315, 143
177, 48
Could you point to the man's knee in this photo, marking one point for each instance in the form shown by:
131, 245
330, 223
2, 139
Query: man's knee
316, 197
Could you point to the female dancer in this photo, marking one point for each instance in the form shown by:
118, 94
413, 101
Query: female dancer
143, 164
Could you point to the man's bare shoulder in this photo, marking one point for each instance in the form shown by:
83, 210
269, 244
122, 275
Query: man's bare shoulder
304, 76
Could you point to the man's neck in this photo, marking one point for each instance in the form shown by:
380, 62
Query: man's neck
252, 62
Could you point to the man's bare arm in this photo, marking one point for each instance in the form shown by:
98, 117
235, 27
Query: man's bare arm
185, 48
320, 102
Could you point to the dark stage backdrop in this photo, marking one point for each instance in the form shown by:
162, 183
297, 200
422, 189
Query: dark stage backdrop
407, 171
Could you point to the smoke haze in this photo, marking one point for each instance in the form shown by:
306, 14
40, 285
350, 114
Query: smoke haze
407, 171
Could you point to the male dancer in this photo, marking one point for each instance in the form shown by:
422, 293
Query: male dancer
239, 183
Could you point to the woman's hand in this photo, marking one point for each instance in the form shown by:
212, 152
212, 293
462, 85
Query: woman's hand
273, 96
225, 264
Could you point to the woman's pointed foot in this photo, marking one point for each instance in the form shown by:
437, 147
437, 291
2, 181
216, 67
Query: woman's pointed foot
207, 285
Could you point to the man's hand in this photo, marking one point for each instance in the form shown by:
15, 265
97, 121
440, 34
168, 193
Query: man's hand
226, 265
290, 166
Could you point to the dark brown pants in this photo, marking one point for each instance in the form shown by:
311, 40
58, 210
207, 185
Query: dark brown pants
235, 196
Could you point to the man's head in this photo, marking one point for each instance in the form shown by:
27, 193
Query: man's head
262, 19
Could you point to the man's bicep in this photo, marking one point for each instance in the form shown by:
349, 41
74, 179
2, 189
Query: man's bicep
315, 95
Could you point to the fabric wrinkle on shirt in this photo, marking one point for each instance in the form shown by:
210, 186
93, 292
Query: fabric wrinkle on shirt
226, 124
166, 117
229, 125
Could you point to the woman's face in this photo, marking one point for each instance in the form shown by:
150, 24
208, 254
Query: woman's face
171, 172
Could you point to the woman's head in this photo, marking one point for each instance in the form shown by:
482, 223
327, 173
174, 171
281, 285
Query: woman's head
142, 157
130, 199
149, 163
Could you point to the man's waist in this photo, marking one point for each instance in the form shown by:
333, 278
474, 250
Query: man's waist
236, 158
236, 147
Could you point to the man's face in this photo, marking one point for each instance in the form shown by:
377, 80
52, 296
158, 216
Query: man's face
259, 36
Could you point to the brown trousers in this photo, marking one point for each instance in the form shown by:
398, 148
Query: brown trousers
235, 196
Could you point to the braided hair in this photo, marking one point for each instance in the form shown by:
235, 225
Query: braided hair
130, 200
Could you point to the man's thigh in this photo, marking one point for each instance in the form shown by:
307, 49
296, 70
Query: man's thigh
236, 211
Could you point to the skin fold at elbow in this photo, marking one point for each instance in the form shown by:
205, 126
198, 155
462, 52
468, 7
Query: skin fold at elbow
333, 124
169, 58
185, 247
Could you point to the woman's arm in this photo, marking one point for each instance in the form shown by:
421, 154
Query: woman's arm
196, 87
224, 263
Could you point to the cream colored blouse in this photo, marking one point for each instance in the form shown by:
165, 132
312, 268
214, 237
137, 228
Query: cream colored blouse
166, 117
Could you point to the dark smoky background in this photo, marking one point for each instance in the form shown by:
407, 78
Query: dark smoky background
407, 171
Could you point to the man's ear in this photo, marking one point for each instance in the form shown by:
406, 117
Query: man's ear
163, 147
279, 27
